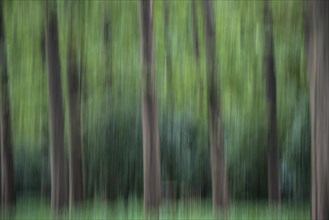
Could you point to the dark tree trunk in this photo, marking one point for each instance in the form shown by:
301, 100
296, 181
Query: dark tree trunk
56, 114
198, 83
217, 151
195, 32
0, 160
73, 85
108, 47
7, 168
170, 105
272, 148
83, 97
44, 157
45, 130
168, 55
151, 146
317, 48
107, 40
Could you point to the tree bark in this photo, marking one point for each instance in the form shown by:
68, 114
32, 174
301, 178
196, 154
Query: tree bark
217, 151
76, 194
7, 167
56, 114
195, 32
108, 47
168, 55
170, 97
317, 50
151, 146
0, 160
272, 148
198, 82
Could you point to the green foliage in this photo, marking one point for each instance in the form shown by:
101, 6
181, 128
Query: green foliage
110, 77
296, 157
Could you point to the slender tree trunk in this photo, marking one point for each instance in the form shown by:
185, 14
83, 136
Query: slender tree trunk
195, 32
217, 151
169, 188
0, 161
73, 84
198, 83
44, 125
83, 94
317, 48
7, 168
44, 157
168, 55
108, 184
56, 114
108, 48
272, 148
151, 146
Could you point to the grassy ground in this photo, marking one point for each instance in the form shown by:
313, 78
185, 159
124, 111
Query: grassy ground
40, 209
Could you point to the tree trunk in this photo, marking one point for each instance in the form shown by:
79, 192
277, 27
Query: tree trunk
73, 85
108, 47
44, 157
317, 48
151, 146
272, 148
170, 97
7, 168
168, 56
0, 160
195, 32
199, 81
109, 182
217, 151
56, 114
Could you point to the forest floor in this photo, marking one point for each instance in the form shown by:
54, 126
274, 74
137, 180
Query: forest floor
35, 209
